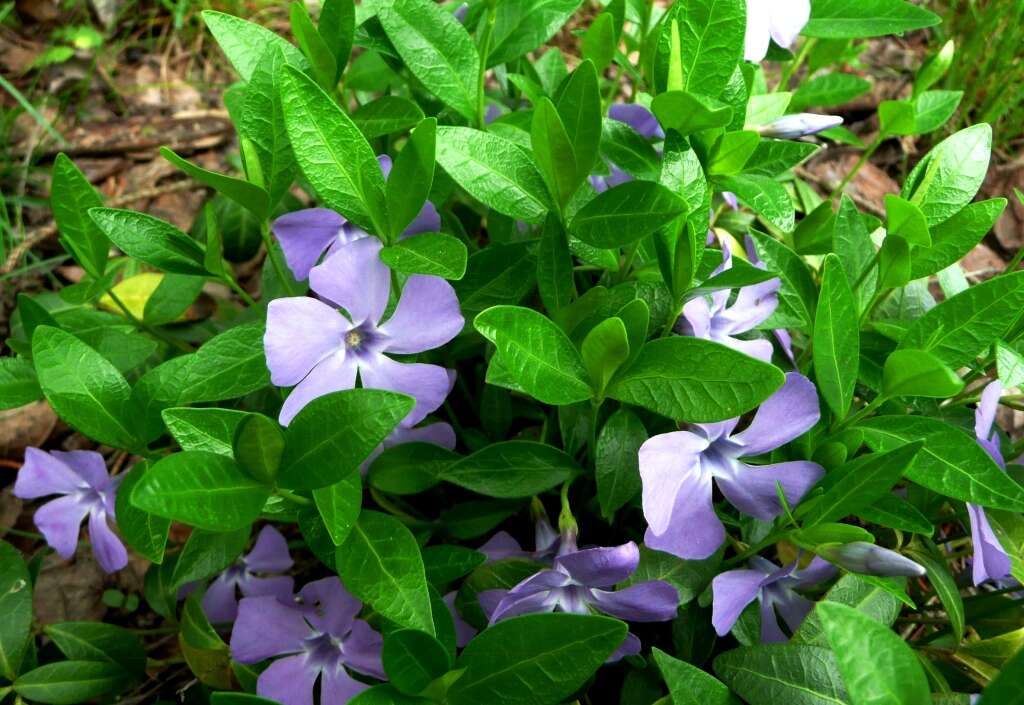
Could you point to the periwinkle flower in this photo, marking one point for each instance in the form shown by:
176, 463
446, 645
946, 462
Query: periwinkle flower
868, 559
781, 20
772, 586
313, 345
578, 582
678, 471
790, 127
87, 490
249, 576
990, 562
503, 545
713, 318
306, 234
317, 637
464, 632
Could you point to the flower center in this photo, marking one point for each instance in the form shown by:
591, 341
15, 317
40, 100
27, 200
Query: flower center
353, 339
322, 650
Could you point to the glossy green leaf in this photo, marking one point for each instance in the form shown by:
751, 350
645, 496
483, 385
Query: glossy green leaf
150, 240
917, 373
798, 296
579, 106
262, 122
19, 384
952, 239
553, 152
765, 196
928, 555
907, 221
206, 429
339, 506
146, 533
411, 177
244, 42
710, 40
69, 682
555, 278
316, 49
617, 470
337, 26
103, 643
257, 447
837, 19
249, 196
521, 27
828, 89
512, 469
871, 600
16, 606
409, 468
950, 174
386, 115
71, 197
836, 339
605, 349
626, 213
434, 254
207, 553
687, 113
689, 685
412, 659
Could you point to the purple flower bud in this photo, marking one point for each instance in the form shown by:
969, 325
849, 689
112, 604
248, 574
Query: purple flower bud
869, 559
991, 562
800, 125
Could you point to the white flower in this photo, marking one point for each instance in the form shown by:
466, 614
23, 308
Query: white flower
781, 20
790, 127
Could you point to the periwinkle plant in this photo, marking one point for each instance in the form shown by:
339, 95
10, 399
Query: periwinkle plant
513, 288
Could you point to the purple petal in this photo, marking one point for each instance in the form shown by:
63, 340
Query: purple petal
429, 384
333, 374
991, 562
787, 20
800, 125
439, 434
696, 319
304, 235
337, 687
752, 307
985, 414
362, 650
464, 633
355, 279
650, 601
792, 607
427, 221
270, 552
280, 586
731, 592
328, 606
106, 546
266, 627
220, 602
427, 316
786, 342
817, 571
301, 332
385, 165
490, 601
545, 538
694, 530
638, 117
759, 349
513, 607
87, 464
785, 415
601, 567
43, 474
59, 521
751, 489
289, 681
541, 581
500, 546
630, 647
667, 463
771, 632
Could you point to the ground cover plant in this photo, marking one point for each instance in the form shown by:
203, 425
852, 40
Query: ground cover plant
560, 380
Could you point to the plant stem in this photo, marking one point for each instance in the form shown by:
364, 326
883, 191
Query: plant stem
237, 288
291, 496
868, 153
180, 345
279, 268
794, 65
871, 406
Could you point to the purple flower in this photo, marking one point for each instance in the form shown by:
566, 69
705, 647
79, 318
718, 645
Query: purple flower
781, 20
640, 119
464, 633
318, 637
868, 559
88, 491
790, 127
781, 334
712, 318
305, 235
774, 587
577, 583
502, 545
991, 562
677, 470
309, 343
268, 555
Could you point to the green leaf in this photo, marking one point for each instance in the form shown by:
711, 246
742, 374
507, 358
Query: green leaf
838, 19
413, 659
380, 564
605, 349
436, 49
84, 388
796, 674
434, 254
411, 177
920, 115
871, 600
71, 197
689, 685
897, 513
917, 373
964, 326
928, 555
537, 659
731, 152
257, 447
951, 462
626, 213
851, 242
409, 468
249, 196
774, 157
599, 41
206, 429
69, 682
695, 380
337, 27
537, 353
711, 42
950, 174
554, 266
1009, 363
18, 383
617, 470
207, 553
836, 339
1007, 688
493, 170
447, 563
200, 488
244, 42
262, 122
173, 296
554, 153
512, 469
798, 295
144, 532
827, 90
629, 150
151, 240
339, 506
521, 27
16, 606
877, 666
386, 115
859, 483
497, 274
320, 452
579, 107
103, 643
316, 49
687, 113
765, 196
907, 221
331, 151
952, 239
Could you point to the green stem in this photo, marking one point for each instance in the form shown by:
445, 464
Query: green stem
627, 262
292, 497
595, 408
237, 288
179, 344
772, 538
24, 534
485, 51
794, 65
868, 153
279, 268
871, 406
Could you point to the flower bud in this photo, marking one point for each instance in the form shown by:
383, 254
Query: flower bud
869, 559
790, 127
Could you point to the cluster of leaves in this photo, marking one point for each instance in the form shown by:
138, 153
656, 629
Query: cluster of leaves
568, 365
